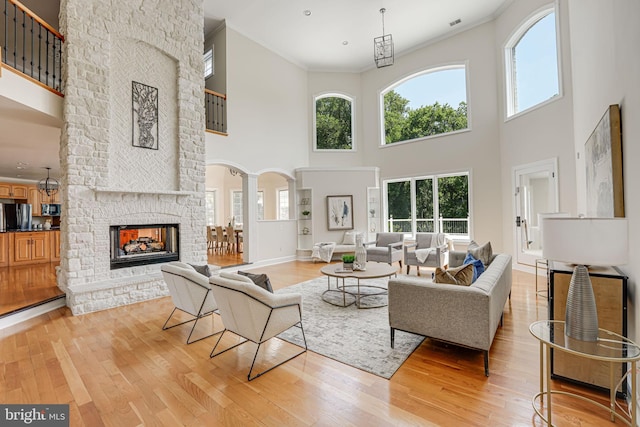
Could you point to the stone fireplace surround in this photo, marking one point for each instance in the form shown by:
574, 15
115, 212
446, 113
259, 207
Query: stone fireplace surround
106, 180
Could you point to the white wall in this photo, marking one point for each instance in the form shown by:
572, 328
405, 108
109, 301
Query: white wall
267, 110
606, 65
542, 133
476, 150
336, 181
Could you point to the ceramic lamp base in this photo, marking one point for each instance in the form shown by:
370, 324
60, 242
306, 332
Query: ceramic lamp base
581, 318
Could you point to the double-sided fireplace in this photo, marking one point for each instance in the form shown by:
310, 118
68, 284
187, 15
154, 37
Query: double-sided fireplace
134, 245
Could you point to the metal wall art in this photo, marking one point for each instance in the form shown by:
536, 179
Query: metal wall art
145, 116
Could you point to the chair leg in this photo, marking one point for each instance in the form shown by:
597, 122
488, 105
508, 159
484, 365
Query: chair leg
393, 336
212, 355
408, 267
249, 377
486, 363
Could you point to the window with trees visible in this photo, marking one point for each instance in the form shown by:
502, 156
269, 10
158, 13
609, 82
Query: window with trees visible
531, 59
283, 204
437, 203
260, 202
210, 203
430, 103
334, 120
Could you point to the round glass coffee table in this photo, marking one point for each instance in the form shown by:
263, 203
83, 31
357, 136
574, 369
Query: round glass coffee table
352, 293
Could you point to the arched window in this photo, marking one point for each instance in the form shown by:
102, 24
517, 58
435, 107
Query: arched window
334, 122
531, 59
432, 102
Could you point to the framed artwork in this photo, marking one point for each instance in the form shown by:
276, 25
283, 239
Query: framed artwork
603, 164
340, 212
145, 115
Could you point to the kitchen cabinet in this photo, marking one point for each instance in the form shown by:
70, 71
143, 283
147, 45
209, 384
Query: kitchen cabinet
29, 248
13, 191
54, 240
4, 249
33, 197
54, 198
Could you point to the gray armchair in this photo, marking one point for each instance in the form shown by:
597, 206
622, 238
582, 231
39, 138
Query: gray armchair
388, 248
429, 250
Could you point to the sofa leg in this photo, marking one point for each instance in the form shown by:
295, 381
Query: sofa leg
418, 267
486, 363
502, 320
408, 267
400, 264
393, 335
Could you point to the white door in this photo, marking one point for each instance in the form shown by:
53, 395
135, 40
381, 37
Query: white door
536, 192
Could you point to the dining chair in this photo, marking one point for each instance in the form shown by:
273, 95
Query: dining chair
210, 238
231, 239
220, 240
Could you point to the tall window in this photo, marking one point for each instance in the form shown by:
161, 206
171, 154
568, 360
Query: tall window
208, 63
283, 204
210, 202
334, 119
438, 203
531, 58
431, 103
236, 206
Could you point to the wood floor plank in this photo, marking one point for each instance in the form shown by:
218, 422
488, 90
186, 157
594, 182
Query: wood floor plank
118, 368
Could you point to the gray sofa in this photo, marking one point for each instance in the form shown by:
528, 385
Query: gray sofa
463, 315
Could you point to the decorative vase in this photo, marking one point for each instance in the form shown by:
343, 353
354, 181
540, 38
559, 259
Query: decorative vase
361, 254
47, 225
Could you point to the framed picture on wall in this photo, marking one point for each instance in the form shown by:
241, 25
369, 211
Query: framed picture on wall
340, 212
603, 164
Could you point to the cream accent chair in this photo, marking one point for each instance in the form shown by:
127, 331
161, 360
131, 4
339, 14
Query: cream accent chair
254, 314
429, 250
190, 292
388, 248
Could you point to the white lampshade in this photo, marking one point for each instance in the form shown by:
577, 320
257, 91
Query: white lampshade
586, 241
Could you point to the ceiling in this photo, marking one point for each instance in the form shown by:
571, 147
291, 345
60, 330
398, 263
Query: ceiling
314, 42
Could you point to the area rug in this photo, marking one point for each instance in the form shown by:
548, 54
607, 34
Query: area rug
356, 337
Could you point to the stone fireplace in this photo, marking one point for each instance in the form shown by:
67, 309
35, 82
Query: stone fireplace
110, 180
133, 245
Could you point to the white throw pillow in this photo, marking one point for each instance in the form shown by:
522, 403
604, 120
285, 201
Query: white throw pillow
349, 238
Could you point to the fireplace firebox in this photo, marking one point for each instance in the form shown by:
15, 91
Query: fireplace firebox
134, 245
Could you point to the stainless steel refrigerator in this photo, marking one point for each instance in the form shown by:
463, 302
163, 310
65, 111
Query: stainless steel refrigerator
17, 216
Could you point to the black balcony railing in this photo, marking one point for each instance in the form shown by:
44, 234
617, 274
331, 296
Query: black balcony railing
216, 111
30, 45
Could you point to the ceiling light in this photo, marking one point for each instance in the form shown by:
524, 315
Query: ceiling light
346, 42
383, 47
307, 12
48, 186
456, 22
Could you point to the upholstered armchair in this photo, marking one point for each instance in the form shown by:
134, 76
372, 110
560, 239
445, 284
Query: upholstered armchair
190, 292
386, 248
429, 250
254, 314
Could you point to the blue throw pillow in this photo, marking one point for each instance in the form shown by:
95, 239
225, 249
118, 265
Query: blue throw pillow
478, 266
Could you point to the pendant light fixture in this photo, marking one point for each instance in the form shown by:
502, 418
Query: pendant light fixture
48, 185
383, 47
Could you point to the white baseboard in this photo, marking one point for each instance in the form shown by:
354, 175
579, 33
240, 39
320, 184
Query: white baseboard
30, 313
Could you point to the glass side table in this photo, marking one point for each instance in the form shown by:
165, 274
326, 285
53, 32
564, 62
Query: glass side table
610, 347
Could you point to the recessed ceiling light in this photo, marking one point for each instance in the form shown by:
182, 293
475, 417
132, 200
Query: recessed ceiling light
307, 12
346, 42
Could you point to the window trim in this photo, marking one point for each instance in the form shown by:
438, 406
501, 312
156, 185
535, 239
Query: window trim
278, 191
433, 69
204, 59
511, 42
342, 95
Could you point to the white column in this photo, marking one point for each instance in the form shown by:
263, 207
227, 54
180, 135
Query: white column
250, 217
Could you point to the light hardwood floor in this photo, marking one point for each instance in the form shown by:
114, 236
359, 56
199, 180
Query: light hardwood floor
26, 285
118, 368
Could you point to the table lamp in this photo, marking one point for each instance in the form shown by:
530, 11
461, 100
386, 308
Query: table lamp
584, 242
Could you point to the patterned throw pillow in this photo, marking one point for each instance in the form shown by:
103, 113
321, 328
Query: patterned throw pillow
259, 279
483, 253
462, 275
478, 266
202, 269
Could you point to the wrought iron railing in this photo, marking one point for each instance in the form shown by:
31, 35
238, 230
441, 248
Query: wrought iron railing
31, 46
216, 111
454, 226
